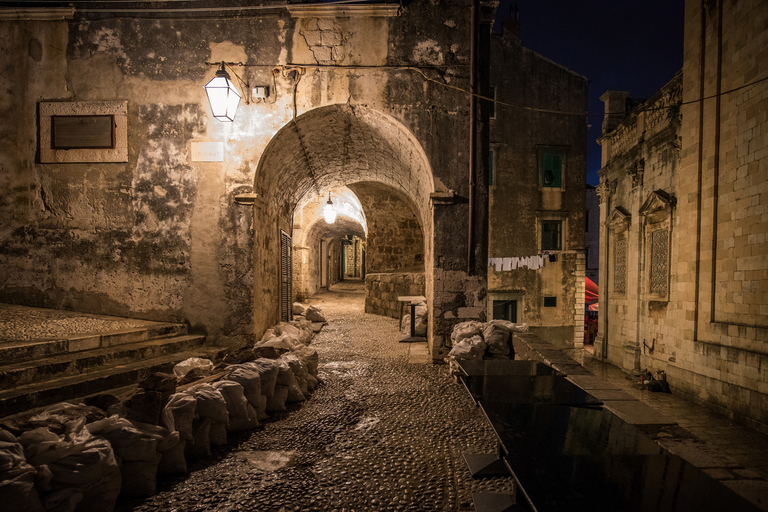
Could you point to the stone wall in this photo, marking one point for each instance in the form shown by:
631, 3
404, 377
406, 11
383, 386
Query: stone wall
382, 290
685, 179
158, 234
520, 202
395, 240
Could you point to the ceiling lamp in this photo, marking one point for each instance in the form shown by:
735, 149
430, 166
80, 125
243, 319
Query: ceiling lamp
329, 212
223, 96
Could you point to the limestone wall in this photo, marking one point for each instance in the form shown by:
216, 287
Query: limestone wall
382, 290
683, 271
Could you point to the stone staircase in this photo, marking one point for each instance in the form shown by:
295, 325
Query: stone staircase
39, 372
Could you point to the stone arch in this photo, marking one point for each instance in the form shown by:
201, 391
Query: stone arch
321, 150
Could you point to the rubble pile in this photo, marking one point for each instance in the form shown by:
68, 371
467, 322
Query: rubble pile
482, 340
82, 457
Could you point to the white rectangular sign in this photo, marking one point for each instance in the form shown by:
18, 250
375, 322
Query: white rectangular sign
207, 151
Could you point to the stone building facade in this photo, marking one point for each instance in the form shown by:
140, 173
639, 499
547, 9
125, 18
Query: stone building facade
683, 263
181, 217
537, 202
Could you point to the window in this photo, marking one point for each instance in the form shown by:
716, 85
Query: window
551, 169
551, 235
505, 310
550, 302
491, 161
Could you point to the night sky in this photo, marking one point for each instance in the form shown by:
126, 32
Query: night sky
630, 45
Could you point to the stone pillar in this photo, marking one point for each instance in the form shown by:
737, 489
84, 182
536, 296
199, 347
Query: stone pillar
601, 346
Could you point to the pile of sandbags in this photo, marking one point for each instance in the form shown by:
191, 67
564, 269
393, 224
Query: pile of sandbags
420, 323
77, 457
309, 313
482, 340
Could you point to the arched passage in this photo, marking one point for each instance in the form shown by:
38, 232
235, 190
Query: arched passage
325, 149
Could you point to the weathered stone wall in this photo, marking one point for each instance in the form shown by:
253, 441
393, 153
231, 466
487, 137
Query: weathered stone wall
709, 330
519, 202
159, 236
382, 290
394, 239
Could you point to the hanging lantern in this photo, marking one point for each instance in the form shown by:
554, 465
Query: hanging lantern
223, 96
329, 212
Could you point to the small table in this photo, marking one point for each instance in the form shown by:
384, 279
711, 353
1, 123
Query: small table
413, 301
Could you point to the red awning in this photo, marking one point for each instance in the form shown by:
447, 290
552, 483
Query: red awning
590, 292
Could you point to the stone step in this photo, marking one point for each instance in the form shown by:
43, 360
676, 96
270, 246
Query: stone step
75, 363
61, 389
19, 351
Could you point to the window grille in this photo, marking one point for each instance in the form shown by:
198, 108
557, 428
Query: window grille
620, 266
659, 259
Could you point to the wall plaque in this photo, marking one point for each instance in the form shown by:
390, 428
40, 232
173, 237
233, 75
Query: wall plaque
83, 131
78, 132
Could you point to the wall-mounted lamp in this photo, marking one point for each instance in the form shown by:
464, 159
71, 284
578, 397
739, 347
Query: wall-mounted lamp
223, 95
329, 212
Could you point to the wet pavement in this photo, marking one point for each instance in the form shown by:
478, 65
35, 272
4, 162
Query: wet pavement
381, 433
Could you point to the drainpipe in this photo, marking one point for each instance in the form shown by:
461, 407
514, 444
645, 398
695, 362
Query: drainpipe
472, 137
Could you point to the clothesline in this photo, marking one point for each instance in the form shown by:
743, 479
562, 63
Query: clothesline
506, 264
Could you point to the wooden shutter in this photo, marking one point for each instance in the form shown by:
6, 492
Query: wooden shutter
286, 277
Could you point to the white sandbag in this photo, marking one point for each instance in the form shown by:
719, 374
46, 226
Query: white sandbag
218, 433
287, 378
285, 341
267, 370
268, 334
128, 441
248, 423
237, 405
465, 330
178, 414
173, 461
308, 356
200, 444
82, 468
249, 379
137, 446
306, 333
276, 402
139, 477
314, 314
182, 368
469, 348
261, 410
312, 382
497, 339
511, 327
420, 325
17, 477
210, 403
298, 308
299, 371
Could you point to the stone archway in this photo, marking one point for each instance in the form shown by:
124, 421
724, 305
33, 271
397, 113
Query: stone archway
324, 149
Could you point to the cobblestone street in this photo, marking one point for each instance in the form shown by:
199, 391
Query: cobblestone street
382, 432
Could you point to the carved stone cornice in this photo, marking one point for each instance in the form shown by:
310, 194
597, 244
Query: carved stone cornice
636, 173
603, 191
